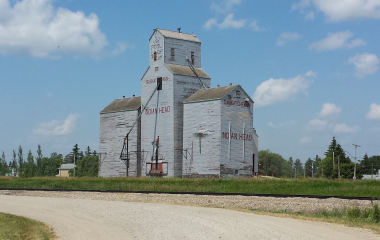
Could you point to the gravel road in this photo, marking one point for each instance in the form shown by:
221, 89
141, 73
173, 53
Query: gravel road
77, 215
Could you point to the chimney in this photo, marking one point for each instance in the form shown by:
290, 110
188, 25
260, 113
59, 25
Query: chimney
217, 85
123, 96
179, 30
133, 95
230, 84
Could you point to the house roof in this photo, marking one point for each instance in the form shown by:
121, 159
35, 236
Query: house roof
212, 93
186, 70
123, 104
177, 35
67, 166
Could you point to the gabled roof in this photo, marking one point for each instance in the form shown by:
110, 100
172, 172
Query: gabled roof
177, 35
123, 104
213, 93
185, 70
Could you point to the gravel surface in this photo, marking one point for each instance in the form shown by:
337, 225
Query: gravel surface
76, 215
305, 205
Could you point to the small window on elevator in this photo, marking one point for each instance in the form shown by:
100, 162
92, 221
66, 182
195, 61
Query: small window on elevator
155, 56
229, 97
172, 52
192, 58
238, 94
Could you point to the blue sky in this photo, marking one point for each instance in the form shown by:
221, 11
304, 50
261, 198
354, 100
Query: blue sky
311, 67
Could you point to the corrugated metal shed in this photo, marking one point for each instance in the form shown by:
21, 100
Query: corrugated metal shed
123, 104
185, 70
177, 35
67, 166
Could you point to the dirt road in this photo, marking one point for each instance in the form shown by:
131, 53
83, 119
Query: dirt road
98, 219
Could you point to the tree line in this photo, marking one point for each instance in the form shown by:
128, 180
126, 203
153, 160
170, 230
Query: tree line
40, 166
335, 165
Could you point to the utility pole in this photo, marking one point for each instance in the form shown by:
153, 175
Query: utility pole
355, 161
338, 168
372, 170
333, 160
312, 169
74, 165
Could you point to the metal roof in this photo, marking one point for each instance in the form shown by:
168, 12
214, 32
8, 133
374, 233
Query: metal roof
185, 70
178, 35
67, 166
123, 104
213, 93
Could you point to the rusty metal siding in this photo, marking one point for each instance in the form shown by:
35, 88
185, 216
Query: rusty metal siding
182, 49
202, 117
113, 128
237, 131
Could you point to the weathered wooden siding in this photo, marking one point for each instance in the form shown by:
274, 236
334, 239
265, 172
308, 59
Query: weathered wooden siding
184, 87
113, 129
182, 49
165, 119
202, 117
239, 118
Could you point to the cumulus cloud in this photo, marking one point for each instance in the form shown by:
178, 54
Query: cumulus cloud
287, 37
344, 128
336, 41
225, 6
278, 90
256, 27
365, 64
317, 124
36, 28
342, 10
228, 22
329, 109
56, 128
374, 112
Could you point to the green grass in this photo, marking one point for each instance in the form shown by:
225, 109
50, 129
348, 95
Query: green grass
254, 186
14, 228
367, 218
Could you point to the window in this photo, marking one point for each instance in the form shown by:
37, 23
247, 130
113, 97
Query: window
238, 94
229, 97
172, 52
192, 57
236, 172
156, 69
155, 56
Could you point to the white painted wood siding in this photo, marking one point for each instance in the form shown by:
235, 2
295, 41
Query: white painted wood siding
240, 118
182, 49
202, 117
113, 129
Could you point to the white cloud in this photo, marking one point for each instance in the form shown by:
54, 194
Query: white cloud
35, 28
287, 37
344, 128
365, 64
225, 6
317, 124
336, 41
374, 112
55, 128
310, 15
329, 109
278, 90
342, 10
228, 22
210, 23
256, 27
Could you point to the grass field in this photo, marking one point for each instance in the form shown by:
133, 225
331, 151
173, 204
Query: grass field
357, 188
19, 228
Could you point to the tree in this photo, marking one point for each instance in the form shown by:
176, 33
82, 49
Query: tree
30, 167
88, 151
14, 162
39, 171
299, 171
20, 162
86, 167
370, 165
309, 168
273, 164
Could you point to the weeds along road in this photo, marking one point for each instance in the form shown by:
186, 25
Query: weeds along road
99, 219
